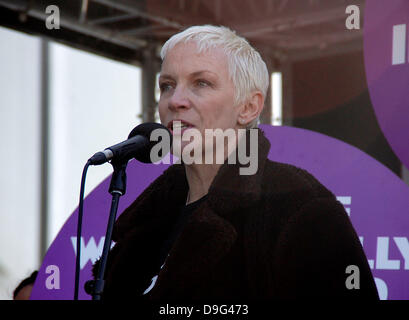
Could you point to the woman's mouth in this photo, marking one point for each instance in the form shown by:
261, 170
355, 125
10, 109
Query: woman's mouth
179, 126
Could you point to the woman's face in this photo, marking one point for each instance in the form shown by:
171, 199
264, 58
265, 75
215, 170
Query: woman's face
196, 89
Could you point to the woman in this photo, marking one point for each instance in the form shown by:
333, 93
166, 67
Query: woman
205, 231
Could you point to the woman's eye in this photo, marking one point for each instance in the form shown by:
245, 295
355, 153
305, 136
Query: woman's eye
202, 83
165, 87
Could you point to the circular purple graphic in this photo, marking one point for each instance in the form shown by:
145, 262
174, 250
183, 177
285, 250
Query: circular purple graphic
386, 52
376, 200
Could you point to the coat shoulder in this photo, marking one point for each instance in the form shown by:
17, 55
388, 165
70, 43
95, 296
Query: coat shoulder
284, 180
169, 188
285, 191
301, 239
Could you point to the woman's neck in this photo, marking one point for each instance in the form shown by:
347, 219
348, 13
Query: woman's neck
199, 178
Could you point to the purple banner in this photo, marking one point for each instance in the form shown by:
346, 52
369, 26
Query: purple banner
386, 52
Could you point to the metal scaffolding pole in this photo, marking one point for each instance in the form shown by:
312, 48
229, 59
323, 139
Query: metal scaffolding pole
150, 68
44, 178
287, 72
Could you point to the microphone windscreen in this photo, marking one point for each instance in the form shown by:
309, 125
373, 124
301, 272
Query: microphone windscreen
145, 130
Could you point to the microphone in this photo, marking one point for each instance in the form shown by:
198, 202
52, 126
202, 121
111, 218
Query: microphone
138, 146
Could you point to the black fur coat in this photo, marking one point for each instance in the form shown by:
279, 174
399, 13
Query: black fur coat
278, 234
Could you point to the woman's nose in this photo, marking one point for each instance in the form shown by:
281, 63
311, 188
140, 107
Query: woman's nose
179, 99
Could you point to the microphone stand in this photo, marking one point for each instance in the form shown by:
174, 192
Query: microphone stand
117, 188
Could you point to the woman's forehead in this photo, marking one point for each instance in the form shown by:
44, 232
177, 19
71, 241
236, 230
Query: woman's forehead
186, 57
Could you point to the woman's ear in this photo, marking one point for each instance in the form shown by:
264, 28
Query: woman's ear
251, 109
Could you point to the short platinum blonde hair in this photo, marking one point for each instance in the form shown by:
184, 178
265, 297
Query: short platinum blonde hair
246, 68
